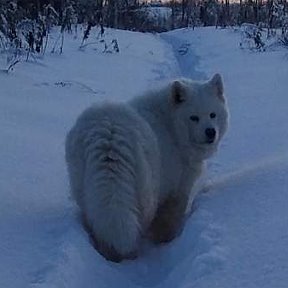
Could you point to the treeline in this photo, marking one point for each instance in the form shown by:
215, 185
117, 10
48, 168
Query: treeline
269, 14
123, 14
133, 15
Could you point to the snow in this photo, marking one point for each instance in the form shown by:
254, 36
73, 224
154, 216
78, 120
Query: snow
237, 234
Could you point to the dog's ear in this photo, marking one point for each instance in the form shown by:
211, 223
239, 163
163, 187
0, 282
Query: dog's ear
217, 83
177, 92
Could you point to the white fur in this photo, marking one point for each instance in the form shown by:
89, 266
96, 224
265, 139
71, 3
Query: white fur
124, 160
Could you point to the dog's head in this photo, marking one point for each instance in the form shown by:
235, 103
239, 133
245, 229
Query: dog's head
200, 114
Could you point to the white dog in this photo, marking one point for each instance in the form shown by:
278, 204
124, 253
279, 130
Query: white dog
132, 166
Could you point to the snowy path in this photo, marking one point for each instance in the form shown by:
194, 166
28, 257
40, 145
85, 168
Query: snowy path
249, 187
237, 235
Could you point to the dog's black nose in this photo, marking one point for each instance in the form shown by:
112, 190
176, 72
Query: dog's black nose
210, 133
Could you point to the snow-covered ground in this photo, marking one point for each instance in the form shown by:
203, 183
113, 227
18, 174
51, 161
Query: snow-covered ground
238, 233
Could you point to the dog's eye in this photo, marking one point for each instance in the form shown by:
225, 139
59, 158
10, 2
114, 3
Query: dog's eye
212, 115
194, 118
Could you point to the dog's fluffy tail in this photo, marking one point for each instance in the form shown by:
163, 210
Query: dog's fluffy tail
110, 200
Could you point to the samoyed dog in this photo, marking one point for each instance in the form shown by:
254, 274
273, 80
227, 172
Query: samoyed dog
132, 166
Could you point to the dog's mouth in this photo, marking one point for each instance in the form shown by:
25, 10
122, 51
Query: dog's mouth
204, 145
210, 141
